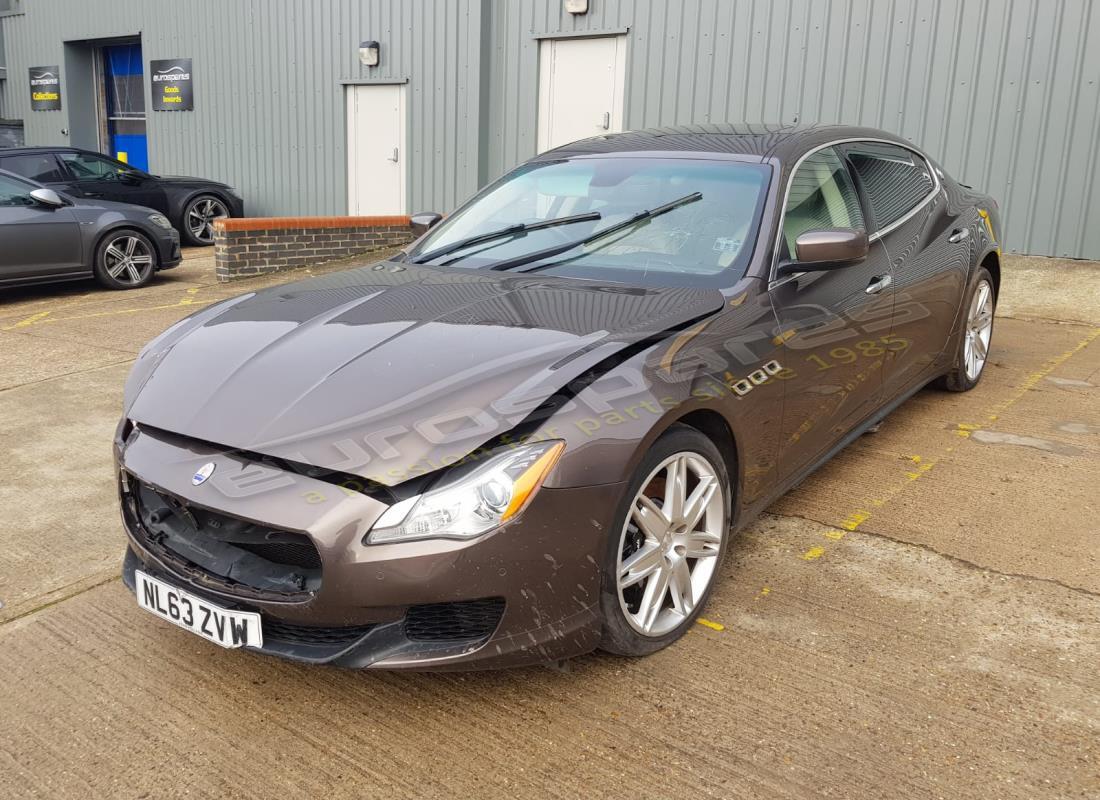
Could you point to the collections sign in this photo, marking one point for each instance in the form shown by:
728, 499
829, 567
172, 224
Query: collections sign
172, 89
45, 88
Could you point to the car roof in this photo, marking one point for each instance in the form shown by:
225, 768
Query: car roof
758, 141
15, 151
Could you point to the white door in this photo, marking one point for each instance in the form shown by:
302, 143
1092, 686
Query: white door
376, 150
580, 88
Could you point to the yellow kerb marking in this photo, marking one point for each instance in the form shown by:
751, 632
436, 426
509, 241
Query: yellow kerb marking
814, 553
714, 626
854, 520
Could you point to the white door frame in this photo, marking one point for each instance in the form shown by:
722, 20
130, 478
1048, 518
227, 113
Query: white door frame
354, 153
546, 84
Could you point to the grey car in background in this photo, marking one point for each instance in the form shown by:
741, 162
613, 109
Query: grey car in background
47, 237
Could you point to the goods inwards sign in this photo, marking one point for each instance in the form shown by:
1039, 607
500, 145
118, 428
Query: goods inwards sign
45, 88
172, 87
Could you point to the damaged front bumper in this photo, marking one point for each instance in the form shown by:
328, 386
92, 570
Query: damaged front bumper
290, 547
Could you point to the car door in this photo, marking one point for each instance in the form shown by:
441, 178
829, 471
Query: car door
99, 177
930, 255
834, 325
35, 240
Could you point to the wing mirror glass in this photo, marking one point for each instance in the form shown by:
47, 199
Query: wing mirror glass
424, 221
47, 197
828, 248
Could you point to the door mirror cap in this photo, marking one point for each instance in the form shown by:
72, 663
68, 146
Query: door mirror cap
423, 222
48, 197
827, 248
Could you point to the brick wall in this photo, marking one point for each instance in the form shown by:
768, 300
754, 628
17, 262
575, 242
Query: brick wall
246, 247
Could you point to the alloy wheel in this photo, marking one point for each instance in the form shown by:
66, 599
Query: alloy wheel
670, 543
128, 259
979, 331
201, 215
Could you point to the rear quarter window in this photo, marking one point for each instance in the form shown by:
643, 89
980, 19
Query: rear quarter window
894, 179
41, 167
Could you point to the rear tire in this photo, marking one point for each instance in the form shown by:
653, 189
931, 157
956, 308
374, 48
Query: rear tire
659, 567
972, 352
125, 259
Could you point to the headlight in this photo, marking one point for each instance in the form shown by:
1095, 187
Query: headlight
160, 221
474, 499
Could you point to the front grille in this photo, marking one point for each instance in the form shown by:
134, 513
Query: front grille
236, 555
454, 622
295, 554
306, 634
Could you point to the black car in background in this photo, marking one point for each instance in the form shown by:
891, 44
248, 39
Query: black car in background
191, 204
47, 237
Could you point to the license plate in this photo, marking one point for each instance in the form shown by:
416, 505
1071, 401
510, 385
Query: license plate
219, 625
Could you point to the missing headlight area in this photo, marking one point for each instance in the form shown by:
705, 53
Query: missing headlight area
233, 552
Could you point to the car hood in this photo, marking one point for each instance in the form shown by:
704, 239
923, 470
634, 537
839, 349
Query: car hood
393, 370
81, 203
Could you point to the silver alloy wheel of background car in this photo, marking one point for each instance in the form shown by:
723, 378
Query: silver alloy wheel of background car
128, 259
670, 543
201, 215
979, 330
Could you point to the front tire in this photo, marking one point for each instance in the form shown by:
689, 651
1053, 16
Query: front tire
977, 336
125, 259
666, 549
198, 219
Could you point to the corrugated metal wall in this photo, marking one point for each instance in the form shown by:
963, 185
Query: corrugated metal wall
270, 113
1005, 93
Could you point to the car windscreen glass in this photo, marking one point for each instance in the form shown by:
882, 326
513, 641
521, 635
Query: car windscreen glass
85, 166
703, 243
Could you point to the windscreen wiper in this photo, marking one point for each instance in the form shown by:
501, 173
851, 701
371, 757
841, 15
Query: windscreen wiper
558, 249
511, 230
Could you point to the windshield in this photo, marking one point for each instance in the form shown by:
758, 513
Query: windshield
706, 242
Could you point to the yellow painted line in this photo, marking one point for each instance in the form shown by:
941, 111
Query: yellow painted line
963, 429
714, 626
765, 592
31, 320
115, 313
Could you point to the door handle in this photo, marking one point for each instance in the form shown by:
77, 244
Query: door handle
393, 158
879, 283
606, 120
959, 235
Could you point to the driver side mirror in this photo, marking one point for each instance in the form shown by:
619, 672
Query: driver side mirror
423, 222
828, 248
48, 198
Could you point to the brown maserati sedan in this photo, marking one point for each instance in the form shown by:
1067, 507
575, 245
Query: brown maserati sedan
535, 432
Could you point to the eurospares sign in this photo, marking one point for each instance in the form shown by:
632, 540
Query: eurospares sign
45, 88
172, 89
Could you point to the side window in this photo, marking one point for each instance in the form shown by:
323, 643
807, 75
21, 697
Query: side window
14, 193
822, 195
894, 179
40, 167
84, 166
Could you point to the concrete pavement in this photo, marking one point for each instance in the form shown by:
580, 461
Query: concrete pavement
918, 619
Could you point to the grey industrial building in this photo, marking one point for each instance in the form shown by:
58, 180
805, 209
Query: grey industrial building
283, 100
